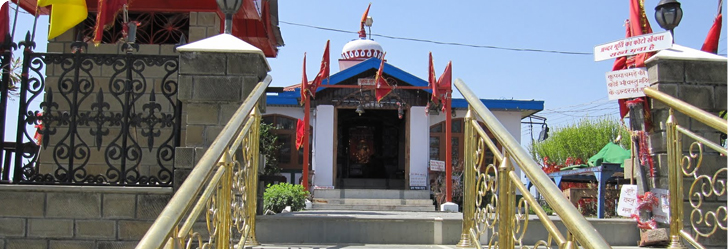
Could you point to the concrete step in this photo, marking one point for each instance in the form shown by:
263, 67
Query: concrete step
351, 201
418, 208
404, 228
373, 246
371, 194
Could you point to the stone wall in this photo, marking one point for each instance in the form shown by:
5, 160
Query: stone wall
77, 217
703, 85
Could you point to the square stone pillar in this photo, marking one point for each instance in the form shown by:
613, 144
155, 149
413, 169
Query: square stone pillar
215, 76
699, 79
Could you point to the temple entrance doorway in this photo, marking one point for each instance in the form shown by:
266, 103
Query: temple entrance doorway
370, 149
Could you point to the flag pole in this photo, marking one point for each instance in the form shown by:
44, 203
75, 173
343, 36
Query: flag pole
448, 147
306, 146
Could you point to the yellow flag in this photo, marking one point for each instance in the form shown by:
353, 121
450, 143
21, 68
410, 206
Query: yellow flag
65, 14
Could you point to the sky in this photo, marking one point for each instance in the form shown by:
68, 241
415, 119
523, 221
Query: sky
572, 86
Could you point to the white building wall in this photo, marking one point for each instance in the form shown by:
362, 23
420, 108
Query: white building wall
419, 143
323, 151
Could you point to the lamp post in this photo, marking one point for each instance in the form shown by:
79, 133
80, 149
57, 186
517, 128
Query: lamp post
668, 14
229, 8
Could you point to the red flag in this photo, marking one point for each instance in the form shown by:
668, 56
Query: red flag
304, 82
382, 87
107, 11
300, 129
4, 19
638, 25
444, 83
323, 72
711, 42
620, 64
432, 80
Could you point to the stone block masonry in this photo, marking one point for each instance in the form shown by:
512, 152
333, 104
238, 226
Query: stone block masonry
701, 83
83, 217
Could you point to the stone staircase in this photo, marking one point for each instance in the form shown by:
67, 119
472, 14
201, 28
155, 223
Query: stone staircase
373, 200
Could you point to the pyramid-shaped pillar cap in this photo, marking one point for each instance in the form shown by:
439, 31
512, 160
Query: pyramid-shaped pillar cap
678, 52
223, 43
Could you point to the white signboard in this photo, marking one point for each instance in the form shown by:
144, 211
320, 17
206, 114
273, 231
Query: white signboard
418, 181
633, 45
436, 165
627, 83
627, 205
661, 211
365, 81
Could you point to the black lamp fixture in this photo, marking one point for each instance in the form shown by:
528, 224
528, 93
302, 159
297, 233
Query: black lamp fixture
668, 14
229, 8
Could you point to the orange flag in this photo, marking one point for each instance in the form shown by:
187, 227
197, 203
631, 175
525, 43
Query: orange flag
107, 11
323, 71
382, 87
445, 84
362, 32
432, 80
304, 82
300, 129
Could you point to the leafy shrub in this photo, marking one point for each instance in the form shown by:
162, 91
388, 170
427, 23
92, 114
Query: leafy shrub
580, 141
268, 147
278, 196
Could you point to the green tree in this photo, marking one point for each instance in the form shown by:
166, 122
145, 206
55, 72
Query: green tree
580, 140
268, 148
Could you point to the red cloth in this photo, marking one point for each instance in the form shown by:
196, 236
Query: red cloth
300, 129
304, 82
638, 24
444, 83
108, 9
432, 80
323, 72
382, 87
711, 42
4, 19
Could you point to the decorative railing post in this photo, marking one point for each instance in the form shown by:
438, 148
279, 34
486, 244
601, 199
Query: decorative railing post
468, 182
675, 181
252, 191
506, 205
223, 203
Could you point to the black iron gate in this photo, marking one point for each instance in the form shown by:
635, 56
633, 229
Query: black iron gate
104, 119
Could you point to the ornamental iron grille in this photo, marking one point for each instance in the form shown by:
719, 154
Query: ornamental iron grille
153, 28
106, 119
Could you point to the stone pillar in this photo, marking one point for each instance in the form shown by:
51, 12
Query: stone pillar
216, 76
699, 79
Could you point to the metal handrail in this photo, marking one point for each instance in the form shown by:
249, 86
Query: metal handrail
170, 217
583, 231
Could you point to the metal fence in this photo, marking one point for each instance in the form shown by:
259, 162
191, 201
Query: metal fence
101, 119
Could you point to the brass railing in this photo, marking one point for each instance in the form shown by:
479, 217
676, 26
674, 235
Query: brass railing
707, 191
490, 192
222, 186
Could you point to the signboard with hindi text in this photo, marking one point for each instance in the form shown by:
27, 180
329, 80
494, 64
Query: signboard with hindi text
366, 81
627, 205
418, 181
661, 211
633, 45
627, 83
436, 165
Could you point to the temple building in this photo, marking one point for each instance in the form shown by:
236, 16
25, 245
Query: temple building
360, 143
